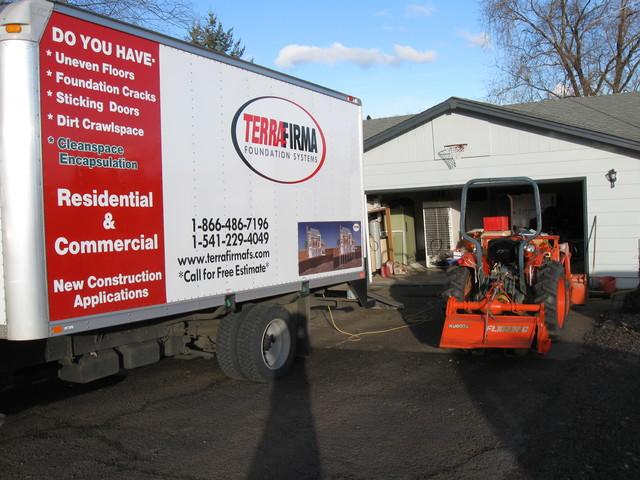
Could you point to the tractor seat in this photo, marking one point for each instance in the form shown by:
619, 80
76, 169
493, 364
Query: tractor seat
503, 250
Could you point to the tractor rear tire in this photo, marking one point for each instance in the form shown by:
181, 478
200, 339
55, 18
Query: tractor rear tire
552, 290
459, 283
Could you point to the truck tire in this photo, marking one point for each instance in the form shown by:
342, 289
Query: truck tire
266, 343
551, 290
459, 283
226, 340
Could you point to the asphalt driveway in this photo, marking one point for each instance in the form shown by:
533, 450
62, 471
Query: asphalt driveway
389, 405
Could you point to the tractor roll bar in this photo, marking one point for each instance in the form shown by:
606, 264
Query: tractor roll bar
478, 245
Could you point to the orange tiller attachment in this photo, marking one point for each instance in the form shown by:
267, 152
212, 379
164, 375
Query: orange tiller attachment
492, 324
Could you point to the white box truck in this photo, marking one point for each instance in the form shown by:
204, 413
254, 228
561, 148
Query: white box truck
143, 179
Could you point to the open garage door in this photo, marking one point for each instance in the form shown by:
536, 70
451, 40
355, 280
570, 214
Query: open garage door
563, 214
568, 218
563, 211
437, 215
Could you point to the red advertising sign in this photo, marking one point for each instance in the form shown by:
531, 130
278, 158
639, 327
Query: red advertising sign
102, 169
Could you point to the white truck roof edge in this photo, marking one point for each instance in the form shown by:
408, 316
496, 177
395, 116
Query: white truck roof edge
24, 279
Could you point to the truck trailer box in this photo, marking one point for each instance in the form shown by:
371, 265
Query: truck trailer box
143, 177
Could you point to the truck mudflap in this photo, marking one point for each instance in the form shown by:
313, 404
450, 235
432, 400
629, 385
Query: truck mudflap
492, 324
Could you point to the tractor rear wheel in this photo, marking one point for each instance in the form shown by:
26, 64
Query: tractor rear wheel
459, 283
552, 290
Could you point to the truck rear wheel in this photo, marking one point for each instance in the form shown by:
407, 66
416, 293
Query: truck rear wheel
265, 343
226, 341
551, 290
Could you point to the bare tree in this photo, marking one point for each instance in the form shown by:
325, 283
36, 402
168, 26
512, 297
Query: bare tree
171, 16
156, 14
560, 48
163, 15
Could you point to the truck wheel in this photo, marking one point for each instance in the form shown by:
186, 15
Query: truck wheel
226, 340
459, 283
551, 290
266, 343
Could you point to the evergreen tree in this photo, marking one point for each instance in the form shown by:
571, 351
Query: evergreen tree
209, 33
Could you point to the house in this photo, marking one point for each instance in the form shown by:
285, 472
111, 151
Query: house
584, 154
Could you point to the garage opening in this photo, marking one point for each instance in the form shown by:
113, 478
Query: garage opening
431, 218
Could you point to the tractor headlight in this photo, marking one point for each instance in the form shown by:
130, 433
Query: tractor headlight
530, 248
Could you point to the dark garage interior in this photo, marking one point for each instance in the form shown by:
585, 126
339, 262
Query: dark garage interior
563, 214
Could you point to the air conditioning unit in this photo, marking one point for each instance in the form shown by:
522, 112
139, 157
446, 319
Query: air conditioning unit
441, 224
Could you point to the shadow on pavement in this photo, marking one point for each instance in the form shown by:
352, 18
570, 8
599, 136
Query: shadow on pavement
561, 419
559, 416
288, 447
421, 302
40, 386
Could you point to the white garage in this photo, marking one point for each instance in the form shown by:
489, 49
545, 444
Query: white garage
584, 153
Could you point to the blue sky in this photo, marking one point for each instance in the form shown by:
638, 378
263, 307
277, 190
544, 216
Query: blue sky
399, 57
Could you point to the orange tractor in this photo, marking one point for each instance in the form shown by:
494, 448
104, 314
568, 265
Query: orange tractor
508, 289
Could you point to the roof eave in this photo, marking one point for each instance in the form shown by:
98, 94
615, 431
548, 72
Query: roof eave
408, 125
470, 106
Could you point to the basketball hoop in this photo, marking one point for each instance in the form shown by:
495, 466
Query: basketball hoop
450, 153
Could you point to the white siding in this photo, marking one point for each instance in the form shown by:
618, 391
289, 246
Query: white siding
409, 162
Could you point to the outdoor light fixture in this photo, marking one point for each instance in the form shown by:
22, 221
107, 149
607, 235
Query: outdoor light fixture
612, 177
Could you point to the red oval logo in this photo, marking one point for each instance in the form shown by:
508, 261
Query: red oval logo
279, 140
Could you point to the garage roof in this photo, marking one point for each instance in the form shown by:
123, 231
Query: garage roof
608, 119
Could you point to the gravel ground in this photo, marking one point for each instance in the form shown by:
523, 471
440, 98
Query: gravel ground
617, 331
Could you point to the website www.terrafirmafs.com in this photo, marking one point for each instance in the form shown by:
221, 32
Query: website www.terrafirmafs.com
228, 256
